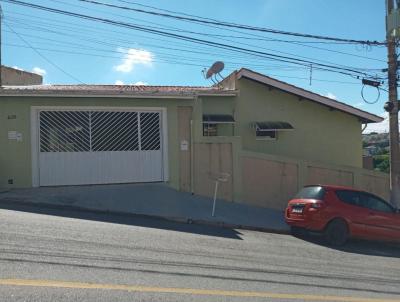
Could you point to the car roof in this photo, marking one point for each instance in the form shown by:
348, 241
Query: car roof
335, 187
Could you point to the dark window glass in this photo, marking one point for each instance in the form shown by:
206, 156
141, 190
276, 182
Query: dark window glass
375, 203
114, 131
150, 131
210, 129
64, 131
312, 192
266, 134
350, 197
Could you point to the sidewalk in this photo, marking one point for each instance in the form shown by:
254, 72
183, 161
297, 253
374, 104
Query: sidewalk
155, 200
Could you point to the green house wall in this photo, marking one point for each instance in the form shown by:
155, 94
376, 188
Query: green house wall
319, 134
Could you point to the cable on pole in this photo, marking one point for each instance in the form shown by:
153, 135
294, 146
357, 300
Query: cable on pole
371, 83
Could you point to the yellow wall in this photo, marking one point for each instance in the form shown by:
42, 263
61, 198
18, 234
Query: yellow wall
15, 157
319, 134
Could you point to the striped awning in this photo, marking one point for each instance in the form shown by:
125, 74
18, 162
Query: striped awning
272, 126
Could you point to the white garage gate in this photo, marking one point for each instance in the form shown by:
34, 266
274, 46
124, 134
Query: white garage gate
96, 146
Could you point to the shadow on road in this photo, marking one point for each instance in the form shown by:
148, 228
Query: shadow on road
126, 219
363, 247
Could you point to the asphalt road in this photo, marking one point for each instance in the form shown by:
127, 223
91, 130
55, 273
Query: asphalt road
57, 255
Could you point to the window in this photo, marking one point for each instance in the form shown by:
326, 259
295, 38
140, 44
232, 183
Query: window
261, 134
373, 202
349, 197
218, 125
114, 131
311, 192
210, 130
269, 130
64, 131
150, 131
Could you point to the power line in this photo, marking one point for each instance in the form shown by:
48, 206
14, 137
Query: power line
61, 51
42, 56
324, 61
102, 42
96, 41
97, 30
240, 26
250, 37
326, 67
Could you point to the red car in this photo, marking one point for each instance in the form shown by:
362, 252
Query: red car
341, 212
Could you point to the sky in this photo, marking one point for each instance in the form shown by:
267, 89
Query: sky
68, 50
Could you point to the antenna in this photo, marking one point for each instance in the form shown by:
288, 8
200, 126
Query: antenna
214, 70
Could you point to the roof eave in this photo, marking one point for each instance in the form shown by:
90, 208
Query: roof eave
186, 95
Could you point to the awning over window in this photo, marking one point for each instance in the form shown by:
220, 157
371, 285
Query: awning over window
272, 126
218, 119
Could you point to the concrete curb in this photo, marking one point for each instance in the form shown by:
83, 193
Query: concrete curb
186, 220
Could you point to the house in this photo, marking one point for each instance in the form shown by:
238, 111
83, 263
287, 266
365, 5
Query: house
15, 76
268, 136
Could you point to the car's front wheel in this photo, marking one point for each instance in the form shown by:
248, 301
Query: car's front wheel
336, 233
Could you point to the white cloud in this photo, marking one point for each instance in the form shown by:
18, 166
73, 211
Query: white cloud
141, 83
381, 127
18, 68
359, 104
331, 95
132, 57
119, 82
39, 70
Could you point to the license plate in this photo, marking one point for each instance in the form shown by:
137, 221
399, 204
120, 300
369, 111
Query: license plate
297, 210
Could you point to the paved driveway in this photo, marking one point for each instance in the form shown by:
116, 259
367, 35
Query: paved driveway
153, 200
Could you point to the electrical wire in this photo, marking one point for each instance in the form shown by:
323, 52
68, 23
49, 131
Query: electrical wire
326, 67
42, 56
22, 21
87, 39
62, 51
235, 25
223, 37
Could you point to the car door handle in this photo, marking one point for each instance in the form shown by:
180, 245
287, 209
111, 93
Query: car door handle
371, 213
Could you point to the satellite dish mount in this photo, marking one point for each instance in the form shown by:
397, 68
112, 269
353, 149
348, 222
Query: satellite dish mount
213, 71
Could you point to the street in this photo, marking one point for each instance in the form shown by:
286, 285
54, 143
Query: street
59, 255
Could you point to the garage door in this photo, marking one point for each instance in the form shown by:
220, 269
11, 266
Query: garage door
99, 147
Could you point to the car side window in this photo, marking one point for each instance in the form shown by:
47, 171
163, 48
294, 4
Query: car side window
349, 197
375, 203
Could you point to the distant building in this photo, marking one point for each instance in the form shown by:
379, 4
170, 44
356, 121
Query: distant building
370, 150
368, 162
16, 77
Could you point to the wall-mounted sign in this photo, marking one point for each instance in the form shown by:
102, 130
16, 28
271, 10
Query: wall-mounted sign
14, 135
184, 145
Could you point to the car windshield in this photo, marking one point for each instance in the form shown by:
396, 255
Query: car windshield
312, 192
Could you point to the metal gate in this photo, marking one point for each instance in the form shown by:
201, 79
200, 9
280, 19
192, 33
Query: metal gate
98, 147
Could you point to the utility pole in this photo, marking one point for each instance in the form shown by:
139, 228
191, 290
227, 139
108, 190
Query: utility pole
393, 112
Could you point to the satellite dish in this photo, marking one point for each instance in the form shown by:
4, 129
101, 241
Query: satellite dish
216, 68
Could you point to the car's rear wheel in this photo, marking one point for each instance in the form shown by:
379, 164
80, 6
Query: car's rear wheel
336, 233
